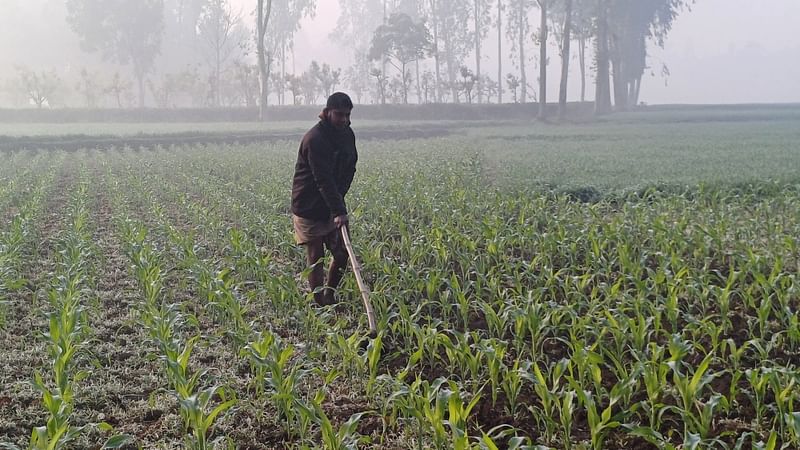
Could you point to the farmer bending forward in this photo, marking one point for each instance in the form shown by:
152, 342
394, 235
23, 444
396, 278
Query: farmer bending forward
326, 163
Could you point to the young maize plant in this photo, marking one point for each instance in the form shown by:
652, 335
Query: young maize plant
270, 360
548, 388
458, 415
11, 248
67, 333
511, 382
257, 352
346, 437
164, 323
493, 280
199, 414
18, 237
218, 287
495, 351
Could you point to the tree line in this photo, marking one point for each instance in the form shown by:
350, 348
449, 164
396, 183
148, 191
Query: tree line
208, 53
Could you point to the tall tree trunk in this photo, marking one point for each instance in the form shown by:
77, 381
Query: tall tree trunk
479, 83
217, 76
405, 81
282, 83
565, 48
582, 59
263, 82
636, 88
543, 60
523, 78
383, 60
262, 17
438, 86
451, 69
620, 50
140, 83
620, 84
499, 51
603, 90
419, 90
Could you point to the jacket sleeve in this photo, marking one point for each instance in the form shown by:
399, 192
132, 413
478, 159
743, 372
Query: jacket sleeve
321, 161
349, 173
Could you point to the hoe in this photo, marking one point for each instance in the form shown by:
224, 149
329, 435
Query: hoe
373, 328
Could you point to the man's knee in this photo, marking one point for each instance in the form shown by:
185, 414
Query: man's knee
315, 251
340, 256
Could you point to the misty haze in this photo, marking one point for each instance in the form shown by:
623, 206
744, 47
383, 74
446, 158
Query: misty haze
399, 224
707, 54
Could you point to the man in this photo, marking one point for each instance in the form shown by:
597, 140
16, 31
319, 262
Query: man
326, 164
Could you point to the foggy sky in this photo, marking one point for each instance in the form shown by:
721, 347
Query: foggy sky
722, 51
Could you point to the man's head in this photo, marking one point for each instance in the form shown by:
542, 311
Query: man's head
337, 110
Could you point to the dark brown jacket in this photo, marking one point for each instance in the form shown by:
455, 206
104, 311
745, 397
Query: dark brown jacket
326, 164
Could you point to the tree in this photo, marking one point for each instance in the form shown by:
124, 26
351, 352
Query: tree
564, 45
295, 85
180, 48
572, 20
263, 11
89, 87
542, 59
583, 30
328, 78
432, 6
456, 39
513, 83
286, 17
39, 88
181, 88
224, 37
354, 30
490, 87
517, 31
247, 80
468, 81
354, 77
481, 20
395, 90
381, 82
119, 88
632, 24
427, 82
602, 103
499, 20
309, 83
163, 92
400, 41
123, 31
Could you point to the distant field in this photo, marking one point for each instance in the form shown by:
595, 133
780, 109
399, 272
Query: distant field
130, 129
666, 147
624, 156
629, 283
149, 128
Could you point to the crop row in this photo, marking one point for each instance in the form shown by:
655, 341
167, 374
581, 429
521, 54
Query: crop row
619, 290
509, 318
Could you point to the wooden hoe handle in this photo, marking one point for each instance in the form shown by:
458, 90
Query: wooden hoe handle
373, 328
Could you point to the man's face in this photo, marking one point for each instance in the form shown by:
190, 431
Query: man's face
339, 118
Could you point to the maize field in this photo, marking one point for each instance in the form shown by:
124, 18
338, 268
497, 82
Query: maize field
621, 285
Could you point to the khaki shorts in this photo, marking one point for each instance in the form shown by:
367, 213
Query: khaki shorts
307, 230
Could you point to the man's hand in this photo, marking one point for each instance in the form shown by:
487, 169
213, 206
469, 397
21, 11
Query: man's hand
341, 220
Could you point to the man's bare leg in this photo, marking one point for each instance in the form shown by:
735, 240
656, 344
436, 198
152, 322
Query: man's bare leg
315, 251
336, 271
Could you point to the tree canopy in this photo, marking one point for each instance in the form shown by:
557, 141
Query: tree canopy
122, 31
